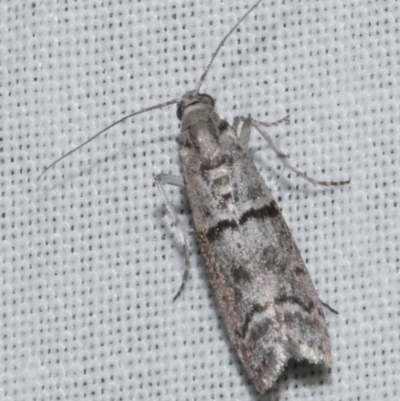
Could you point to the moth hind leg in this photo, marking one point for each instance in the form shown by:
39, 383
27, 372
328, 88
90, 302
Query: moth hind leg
258, 125
244, 136
177, 181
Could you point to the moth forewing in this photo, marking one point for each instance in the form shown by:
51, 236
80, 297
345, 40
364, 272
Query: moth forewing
270, 307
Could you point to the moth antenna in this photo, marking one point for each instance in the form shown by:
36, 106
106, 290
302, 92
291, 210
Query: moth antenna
205, 72
157, 106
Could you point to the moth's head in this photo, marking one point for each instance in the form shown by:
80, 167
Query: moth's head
191, 98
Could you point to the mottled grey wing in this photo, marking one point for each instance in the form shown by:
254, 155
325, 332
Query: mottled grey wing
270, 307
269, 304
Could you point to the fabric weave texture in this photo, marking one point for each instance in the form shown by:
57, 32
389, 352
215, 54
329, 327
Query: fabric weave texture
89, 259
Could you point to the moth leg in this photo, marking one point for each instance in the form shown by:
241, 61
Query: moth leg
170, 179
177, 181
282, 156
236, 122
327, 306
244, 136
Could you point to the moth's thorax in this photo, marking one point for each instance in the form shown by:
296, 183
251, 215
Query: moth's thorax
206, 137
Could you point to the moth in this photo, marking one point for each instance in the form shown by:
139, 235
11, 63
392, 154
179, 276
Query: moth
271, 310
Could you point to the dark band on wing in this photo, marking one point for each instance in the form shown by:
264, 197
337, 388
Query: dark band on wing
255, 310
268, 211
293, 300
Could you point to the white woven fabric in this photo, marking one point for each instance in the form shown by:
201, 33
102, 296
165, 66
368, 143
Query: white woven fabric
89, 260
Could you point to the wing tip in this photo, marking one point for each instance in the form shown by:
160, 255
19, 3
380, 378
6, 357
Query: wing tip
268, 376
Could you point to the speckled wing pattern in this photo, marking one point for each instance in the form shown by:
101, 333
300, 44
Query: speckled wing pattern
270, 307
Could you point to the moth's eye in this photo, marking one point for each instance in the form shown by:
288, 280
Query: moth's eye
207, 99
179, 112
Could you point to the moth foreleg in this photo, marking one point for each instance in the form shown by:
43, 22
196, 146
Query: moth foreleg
170, 179
285, 158
177, 181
